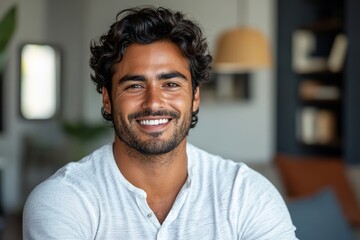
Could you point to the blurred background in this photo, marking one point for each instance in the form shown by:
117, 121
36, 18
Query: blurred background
287, 104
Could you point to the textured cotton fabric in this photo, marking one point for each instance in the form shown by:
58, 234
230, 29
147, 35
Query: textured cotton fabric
221, 199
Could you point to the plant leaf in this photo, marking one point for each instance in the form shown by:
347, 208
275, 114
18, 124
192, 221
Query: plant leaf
83, 131
7, 27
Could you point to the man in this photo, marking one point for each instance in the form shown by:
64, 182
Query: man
150, 183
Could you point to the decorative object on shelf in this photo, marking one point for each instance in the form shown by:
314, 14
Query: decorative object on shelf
305, 45
317, 127
337, 55
314, 90
226, 87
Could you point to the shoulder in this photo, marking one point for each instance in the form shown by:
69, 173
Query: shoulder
85, 171
68, 198
197, 156
224, 168
256, 206
262, 211
202, 163
56, 203
76, 177
232, 179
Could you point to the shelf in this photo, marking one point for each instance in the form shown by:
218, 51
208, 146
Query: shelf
334, 24
307, 51
327, 104
322, 76
320, 149
336, 144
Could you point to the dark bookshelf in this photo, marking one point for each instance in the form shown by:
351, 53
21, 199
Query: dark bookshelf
304, 90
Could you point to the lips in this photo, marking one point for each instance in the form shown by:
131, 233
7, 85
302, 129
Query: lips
153, 122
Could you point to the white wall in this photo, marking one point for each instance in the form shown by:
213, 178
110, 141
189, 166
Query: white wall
241, 131
244, 131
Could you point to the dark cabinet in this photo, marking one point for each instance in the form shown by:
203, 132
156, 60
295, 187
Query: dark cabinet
318, 87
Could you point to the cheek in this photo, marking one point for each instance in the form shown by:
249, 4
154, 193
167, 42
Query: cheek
124, 106
182, 104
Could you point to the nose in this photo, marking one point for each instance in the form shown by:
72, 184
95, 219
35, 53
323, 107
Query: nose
153, 99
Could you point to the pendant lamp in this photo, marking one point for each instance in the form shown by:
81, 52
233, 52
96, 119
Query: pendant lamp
241, 49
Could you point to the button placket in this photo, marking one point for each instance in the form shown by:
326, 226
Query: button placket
162, 234
178, 204
146, 210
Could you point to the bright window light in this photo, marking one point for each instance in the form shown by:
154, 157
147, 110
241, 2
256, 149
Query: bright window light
39, 81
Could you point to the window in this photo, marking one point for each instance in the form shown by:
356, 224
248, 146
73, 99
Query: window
39, 81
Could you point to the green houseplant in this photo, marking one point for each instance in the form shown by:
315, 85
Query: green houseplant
7, 29
82, 134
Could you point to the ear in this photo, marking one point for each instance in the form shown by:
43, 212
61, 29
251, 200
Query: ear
196, 100
106, 100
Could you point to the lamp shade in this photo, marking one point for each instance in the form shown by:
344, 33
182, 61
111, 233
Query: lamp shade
241, 49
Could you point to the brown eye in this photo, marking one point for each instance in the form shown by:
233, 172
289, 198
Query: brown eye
171, 85
134, 86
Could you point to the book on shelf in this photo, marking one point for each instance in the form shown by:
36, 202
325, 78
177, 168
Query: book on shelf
305, 44
316, 126
337, 54
312, 90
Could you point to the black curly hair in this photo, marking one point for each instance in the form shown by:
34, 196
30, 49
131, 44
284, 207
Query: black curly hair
145, 26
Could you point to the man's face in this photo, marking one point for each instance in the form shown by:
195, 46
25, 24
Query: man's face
152, 98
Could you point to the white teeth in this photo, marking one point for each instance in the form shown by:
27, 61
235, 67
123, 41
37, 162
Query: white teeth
154, 122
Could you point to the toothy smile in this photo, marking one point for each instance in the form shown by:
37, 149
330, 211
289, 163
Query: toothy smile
154, 122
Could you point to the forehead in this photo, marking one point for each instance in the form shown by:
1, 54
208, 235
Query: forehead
155, 47
161, 53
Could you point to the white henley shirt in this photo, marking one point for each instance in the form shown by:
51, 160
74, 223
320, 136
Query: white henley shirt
91, 199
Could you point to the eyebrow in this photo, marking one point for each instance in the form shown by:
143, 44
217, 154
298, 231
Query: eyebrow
132, 78
175, 74
161, 76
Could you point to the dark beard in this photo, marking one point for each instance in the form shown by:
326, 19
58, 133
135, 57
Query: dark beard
153, 146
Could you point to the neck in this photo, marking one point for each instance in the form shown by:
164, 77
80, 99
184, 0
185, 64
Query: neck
155, 174
160, 176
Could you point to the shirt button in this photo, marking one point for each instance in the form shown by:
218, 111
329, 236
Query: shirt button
149, 215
